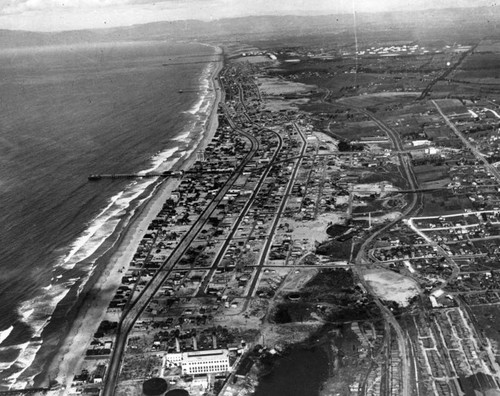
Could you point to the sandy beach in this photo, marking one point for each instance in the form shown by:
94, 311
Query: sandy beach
70, 355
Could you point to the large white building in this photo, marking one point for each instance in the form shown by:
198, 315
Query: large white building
200, 362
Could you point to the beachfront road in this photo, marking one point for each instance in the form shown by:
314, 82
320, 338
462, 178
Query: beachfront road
133, 312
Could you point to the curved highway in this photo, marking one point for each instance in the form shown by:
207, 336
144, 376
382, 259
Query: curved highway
362, 259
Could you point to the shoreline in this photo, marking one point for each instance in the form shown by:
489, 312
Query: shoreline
71, 351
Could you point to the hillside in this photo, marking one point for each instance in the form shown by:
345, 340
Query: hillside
470, 22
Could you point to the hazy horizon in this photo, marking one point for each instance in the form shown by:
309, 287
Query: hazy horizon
59, 15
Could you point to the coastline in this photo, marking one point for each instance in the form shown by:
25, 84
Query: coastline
71, 352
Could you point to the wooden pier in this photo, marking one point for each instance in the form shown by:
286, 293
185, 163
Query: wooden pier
174, 174
99, 176
27, 391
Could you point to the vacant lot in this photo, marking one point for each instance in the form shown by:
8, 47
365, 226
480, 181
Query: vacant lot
392, 286
379, 99
430, 176
357, 130
443, 202
488, 320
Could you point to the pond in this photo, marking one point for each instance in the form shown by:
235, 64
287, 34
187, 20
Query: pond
301, 371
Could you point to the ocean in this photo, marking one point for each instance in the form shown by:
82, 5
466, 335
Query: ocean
66, 112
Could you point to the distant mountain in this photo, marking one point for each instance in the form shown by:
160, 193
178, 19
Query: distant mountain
478, 22
179, 30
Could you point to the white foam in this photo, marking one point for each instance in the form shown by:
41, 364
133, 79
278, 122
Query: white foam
27, 313
83, 239
200, 109
104, 224
6, 365
159, 159
89, 273
197, 106
109, 223
24, 360
182, 137
5, 333
204, 99
37, 311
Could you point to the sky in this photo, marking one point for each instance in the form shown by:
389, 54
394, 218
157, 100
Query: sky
56, 15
